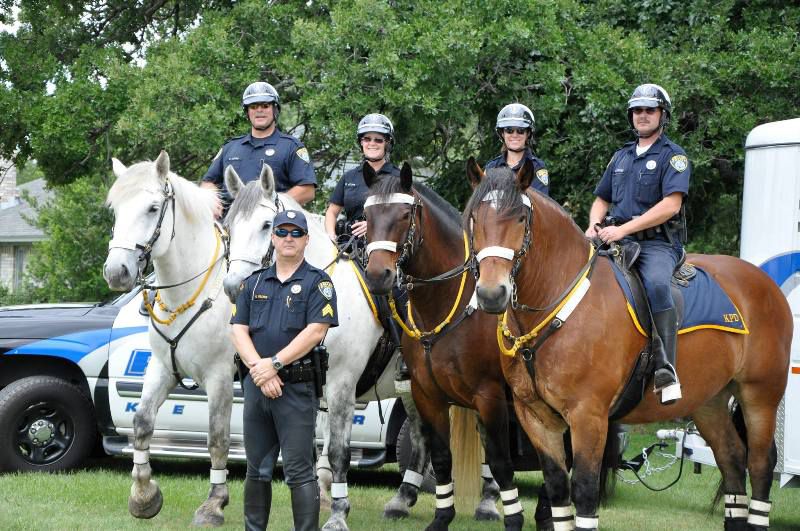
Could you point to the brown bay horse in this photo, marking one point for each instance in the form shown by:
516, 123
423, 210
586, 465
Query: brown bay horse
531, 253
412, 229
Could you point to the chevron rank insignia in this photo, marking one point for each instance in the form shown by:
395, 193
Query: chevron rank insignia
327, 310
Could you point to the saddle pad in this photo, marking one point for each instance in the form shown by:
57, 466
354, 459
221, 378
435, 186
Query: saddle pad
706, 305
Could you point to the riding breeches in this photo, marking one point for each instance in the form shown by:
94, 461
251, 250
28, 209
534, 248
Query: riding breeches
656, 264
285, 424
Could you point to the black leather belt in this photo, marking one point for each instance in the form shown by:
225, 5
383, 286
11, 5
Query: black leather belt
301, 370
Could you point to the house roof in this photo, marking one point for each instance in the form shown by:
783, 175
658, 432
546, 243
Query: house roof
13, 226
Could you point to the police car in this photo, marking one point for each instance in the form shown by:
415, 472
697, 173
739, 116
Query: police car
71, 378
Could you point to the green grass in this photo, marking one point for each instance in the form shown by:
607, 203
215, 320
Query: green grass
96, 498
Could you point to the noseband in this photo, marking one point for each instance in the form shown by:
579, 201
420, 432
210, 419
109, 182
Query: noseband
409, 244
147, 248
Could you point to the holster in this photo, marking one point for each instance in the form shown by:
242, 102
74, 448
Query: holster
319, 360
240, 368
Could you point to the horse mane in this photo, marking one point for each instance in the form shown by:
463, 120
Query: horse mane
390, 184
196, 203
250, 196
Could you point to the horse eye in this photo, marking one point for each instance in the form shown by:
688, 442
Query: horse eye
267, 225
153, 208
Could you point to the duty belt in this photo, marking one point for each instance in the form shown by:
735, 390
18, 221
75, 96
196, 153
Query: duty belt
301, 370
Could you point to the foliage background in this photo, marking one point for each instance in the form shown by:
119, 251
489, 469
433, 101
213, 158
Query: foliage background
81, 82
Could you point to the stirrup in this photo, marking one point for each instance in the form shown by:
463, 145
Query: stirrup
671, 392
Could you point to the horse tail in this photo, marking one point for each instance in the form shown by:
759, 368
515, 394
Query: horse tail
466, 449
608, 472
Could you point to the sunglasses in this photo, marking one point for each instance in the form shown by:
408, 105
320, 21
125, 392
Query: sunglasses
282, 233
648, 110
374, 140
512, 130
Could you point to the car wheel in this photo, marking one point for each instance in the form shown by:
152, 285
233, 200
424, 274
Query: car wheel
48, 425
403, 452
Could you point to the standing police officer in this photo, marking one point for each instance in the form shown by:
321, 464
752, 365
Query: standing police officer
515, 129
266, 144
644, 186
281, 314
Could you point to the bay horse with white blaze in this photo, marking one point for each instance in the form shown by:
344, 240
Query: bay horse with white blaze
533, 255
163, 217
453, 357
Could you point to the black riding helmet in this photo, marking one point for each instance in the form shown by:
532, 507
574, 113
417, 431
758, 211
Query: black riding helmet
376, 123
650, 95
261, 92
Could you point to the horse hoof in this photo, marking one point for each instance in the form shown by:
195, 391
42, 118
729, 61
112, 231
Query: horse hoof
208, 520
395, 514
484, 515
335, 524
146, 510
544, 525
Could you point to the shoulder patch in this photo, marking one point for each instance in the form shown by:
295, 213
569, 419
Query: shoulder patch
543, 176
679, 162
302, 154
326, 288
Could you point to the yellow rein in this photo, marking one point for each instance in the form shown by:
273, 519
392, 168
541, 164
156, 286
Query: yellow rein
415, 332
504, 331
188, 304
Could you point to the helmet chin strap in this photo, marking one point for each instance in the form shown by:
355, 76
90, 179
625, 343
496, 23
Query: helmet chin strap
520, 150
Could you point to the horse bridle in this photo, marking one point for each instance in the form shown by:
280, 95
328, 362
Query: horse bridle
506, 253
257, 258
147, 248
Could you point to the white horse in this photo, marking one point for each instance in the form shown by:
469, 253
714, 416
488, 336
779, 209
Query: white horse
163, 217
350, 344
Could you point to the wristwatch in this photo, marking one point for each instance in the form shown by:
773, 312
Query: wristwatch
276, 363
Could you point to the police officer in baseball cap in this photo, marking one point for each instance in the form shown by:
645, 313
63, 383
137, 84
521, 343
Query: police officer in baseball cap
265, 144
281, 314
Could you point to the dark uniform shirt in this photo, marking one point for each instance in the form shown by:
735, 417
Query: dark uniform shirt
351, 190
285, 154
277, 311
633, 184
541, 182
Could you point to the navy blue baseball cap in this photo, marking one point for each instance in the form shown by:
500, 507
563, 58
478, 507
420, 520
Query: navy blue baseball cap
291, 217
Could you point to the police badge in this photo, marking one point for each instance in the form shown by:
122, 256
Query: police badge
269, 152
326, 288
679, 162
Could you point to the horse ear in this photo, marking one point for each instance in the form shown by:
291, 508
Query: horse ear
370, 177
474, 172
267, 182
119, 168
162, 165
405, 177
233, 182
525, 175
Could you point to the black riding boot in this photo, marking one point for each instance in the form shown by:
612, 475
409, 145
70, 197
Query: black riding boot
396, 335
257, 503
665, 379
305, 507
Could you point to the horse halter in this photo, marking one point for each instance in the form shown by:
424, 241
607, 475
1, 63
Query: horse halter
505, 253
256, 257
147, 248
410, 244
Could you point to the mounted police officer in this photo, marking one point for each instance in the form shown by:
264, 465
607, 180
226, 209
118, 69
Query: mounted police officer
281, 313
375, 138
266, 144
644, 186
515, 126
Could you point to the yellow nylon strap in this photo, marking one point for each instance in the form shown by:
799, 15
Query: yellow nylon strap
188, 304
415, 332
367, 294
502, 320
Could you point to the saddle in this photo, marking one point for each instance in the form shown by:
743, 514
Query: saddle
624, 257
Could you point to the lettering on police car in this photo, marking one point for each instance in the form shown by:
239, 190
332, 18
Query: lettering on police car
326, 288
679, 162
302, 154
543, 176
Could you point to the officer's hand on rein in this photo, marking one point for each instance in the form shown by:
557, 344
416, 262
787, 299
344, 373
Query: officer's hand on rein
611, 234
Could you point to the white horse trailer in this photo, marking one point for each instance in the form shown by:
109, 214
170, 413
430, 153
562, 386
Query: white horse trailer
770, 239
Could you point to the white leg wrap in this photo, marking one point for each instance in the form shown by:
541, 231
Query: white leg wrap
759, 513
583, 522
511, 504
218, 476
736, 506
486, 472
412, 478
671, 392
444, 496
338, 490
562, 518
141, 457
